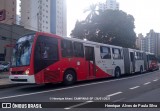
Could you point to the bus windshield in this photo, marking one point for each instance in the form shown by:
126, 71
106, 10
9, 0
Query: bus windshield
152, 57
22, 51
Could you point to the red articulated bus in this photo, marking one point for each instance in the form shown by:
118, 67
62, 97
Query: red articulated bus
47, 58
152, 62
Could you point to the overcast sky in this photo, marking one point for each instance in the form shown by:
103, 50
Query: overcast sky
145, 12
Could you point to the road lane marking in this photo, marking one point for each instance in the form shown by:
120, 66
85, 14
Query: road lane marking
70, 107
71, 87
114, 94
67, 108
155, 80
146, 83
134, 87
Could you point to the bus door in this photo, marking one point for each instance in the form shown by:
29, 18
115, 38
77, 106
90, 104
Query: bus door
90, 61
132, 57
46, 54
145, 61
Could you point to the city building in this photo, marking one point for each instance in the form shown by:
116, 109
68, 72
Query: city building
150, 43
9, 8
18, 18
143, 45
138, 41
153, 42
110, 4
44, 15
8, 36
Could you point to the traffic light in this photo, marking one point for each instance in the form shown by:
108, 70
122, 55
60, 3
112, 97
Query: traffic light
2, 15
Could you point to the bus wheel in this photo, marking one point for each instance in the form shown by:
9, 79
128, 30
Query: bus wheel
117, 72
69, 77
5, 70
141, 70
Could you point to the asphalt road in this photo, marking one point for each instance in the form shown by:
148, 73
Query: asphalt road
137, 88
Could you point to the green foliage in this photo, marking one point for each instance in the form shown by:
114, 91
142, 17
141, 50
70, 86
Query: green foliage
92, 13
110, 27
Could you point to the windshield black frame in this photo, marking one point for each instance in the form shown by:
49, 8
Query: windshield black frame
22, 51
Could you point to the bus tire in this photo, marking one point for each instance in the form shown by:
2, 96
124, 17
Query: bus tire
117, 72
69, 77
141, 70
5, 70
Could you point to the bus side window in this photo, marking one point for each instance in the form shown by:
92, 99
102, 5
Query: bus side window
136, 55
40, 49
67, 48
46, 50
43, 51
132, 56
105, 52
117, 53
89, 53
121, 52
78, 49
147, 58
141, 56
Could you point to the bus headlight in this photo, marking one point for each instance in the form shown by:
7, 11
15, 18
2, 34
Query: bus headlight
27, 72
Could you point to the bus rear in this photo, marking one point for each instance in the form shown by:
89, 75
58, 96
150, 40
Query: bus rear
152, 62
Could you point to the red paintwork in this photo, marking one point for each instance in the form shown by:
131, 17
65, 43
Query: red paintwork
153, 65
60, 67
22, 69
54, 73
10, 45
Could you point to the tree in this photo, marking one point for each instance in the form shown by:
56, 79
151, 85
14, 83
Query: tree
110, 27
79, 31
92, 13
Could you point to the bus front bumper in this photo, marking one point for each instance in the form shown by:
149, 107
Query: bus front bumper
22, 79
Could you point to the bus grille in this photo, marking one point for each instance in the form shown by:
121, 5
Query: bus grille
19, 80
17, 72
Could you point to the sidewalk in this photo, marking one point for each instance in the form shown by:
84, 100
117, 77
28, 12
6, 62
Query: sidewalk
4, 75
4, 80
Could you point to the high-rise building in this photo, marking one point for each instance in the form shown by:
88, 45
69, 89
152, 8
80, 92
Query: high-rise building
110, 4
10, 11
8, 37
151, 43
44, 15
138, 41
143, 45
